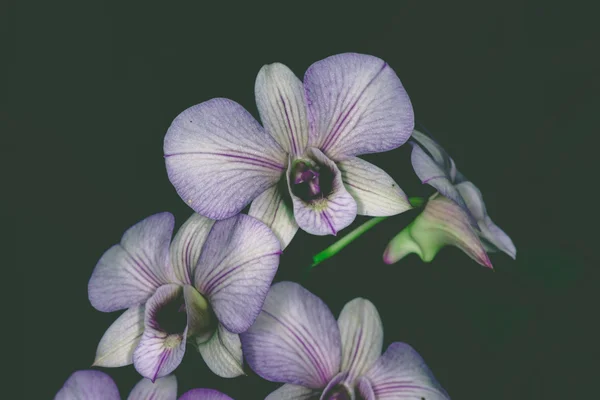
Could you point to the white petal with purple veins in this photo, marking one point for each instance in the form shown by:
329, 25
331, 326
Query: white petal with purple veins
362, 337
236, 267
400, 373
293, 392
441, 223
356, 105
89, 385
435, 151
186, 247
128, 273
159, 352
223, 353
282, 107
295, 339
365, 389
375, 192
490, 231
331, 213
162, 389
219, 158
430, 173
271, 208
204, 394
120, 340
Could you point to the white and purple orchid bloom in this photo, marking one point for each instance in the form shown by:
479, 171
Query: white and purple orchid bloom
299, 169
96, 385
205, 287
455, 215
297, 341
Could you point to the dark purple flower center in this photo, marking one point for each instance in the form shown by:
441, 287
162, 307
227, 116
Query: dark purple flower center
310, 181
171, 317
338, 392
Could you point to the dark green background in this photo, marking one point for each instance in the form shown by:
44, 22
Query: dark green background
510, 88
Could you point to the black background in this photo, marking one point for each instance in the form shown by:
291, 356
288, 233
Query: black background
510, 89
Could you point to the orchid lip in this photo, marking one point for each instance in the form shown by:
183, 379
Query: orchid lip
174, 316
310, 180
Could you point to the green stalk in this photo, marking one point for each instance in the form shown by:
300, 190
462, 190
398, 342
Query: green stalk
355, 234
345, 241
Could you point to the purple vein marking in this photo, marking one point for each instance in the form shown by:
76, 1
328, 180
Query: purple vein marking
307, 346
247, 159
335, 134
293, 139
217, 279
148, 274
333, 231
160, 363
356, 349
432, 178
390, 386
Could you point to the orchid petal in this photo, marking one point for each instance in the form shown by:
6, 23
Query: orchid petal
159, 352
490, 231
128, 273
186, 247
400, 373
89, 385
436, 152
429, 172
442, 222
219, 158
330, 214
236, 267
204, 394
120, 340
272, 209
295, 339
162, 389
365, 389
498, 238
282, 107
375, 192
293, 392
362, 337
356, 105
223, 353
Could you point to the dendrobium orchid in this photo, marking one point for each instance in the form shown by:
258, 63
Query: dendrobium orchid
297, 341
300, 168
455, 215
96, 385
207, 285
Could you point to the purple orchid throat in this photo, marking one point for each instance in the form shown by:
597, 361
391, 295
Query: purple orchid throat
220, 159
297, 341
311, 181
204, 287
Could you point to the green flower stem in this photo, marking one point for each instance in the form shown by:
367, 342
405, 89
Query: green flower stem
345, 241
350, 237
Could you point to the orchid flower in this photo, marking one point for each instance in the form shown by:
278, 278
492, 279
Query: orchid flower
455, 215
96, 385
300, 168
297, 341
206, 286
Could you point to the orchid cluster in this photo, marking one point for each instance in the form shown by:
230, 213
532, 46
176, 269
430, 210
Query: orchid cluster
210, 286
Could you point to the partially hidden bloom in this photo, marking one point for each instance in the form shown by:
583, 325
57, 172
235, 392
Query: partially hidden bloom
455, 215
297, 341
96, 385
299, 169
205, 287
